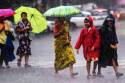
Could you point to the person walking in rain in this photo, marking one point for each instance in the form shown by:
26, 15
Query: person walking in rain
90, 40
64, 55
109, 43
9, 47
3, 38
6, 54
23, 28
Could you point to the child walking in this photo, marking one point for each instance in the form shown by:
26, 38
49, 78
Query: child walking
90, 40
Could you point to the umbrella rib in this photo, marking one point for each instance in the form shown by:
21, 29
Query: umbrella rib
62, 11
35, 21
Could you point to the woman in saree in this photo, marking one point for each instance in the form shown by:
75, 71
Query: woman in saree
64, 55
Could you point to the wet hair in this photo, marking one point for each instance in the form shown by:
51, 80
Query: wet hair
86, 20
2, 19
89, 19
110, 18
61, 19
23, 13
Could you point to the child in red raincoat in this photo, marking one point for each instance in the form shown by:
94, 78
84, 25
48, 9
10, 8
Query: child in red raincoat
90, 40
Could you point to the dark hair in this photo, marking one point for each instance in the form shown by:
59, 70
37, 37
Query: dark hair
86, 20
110, 18
23, 13
2, 19
89, 19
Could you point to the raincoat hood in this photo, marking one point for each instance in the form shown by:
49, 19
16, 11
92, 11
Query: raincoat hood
110, 17
89, 19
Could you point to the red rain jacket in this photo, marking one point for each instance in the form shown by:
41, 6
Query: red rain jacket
88, 39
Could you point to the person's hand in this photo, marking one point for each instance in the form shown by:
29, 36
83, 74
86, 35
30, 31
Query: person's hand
92, 48
113, 46
24, 30
77, 51
69, 38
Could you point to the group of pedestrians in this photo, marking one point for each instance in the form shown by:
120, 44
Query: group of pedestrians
99, 46
23, 28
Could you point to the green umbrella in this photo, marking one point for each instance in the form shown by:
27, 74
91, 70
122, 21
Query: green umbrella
62, 11
38, 21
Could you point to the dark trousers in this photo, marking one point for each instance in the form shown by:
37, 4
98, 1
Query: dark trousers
2, 55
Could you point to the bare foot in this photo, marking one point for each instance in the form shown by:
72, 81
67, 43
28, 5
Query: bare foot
74, 74
2, 67
27, 65
118, 75
100, 75
88, 76
94, 73
19, 63
56, 72
7, 66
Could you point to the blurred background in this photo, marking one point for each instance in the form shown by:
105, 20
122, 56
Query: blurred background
116, 7
43, 5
